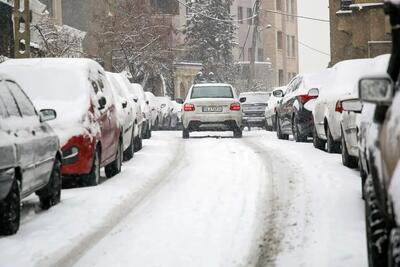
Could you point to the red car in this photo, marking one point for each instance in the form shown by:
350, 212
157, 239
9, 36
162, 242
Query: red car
86, 123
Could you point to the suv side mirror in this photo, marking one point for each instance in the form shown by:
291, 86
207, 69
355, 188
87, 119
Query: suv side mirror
102, 102
47, 115
377, 90
179, 100
242, 100
314, 92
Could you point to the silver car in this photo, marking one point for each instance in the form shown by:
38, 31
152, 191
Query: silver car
212, 107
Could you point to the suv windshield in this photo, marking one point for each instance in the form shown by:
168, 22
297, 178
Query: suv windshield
212, 92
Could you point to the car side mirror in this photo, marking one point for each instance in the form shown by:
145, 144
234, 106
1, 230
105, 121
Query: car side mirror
102, 102
354, 105
124, 104
242, 99
313, 92
47, 115
179, 100
278, 93
377, 90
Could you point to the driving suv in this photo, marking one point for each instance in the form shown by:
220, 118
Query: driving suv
30, 155
212, 107
253, 105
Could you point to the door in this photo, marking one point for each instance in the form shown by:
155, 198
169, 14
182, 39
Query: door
19, 131
44, 141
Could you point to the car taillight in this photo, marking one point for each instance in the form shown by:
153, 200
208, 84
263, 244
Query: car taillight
235, 107
339, 107
305, 98
189, 107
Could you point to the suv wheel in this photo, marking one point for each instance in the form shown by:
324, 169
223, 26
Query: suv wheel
128, 154
10, 209
185, 134
93, 177
348, 160
237, 133
298, 137
114, 167
318, 142
377, 237
51, 194
332, 145
279, 133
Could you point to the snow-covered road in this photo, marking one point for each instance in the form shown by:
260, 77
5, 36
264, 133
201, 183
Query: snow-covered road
206, 201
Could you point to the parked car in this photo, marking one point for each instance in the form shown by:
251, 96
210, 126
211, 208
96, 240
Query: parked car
166, 106
123, 80
270, 110
87, 125
30, 155
351, 117
126, 114
137, 89
154, 110
212, 107
253, 106
327, 112
293, 116
176, 115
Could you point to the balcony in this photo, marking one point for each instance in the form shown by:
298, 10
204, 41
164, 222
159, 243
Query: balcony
345, 4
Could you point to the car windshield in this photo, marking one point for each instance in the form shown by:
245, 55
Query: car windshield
256, 98
212, 92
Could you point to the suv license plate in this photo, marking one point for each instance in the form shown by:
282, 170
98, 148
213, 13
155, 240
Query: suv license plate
212, 109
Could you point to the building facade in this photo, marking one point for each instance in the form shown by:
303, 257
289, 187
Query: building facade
348, 41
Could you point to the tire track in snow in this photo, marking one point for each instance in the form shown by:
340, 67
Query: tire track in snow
120, 212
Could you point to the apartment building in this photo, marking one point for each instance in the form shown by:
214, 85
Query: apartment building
347, 17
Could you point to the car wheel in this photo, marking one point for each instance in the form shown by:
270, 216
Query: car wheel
318, 142
332, 145
130, 151
266, 125
93, 178
394, 248
298, 137
51, 194
348, 160
185, 134
10, 209
279, 133
114, 167
377, 238
238, 133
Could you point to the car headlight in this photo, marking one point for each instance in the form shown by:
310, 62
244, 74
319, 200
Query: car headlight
71, 155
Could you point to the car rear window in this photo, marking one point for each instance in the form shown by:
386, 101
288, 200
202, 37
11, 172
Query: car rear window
212, 92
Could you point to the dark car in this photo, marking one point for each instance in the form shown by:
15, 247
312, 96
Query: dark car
293, 115
382, 186
253, 106
30, 159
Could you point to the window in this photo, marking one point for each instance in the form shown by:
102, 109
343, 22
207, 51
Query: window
288, 46
260, 55
281, 78
294, 52
9, 101
279, 37
24, 103
250, 53
279, 5
240, 14
211, 92
249, 15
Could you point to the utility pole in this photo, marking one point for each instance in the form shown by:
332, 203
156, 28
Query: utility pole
22, 35
252, 68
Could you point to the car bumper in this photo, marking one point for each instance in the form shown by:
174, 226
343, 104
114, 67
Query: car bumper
254, 121
82, 163
217, 122
306, 122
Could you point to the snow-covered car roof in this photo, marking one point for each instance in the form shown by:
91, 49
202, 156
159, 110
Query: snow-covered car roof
211, 84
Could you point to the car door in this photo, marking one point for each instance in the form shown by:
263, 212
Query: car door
20, 131
46, 144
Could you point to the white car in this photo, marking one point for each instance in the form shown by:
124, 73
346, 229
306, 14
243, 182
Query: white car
144, 104
212, 107
154, 109
270, 111
327, 111
123, 80
176, 115
253, 107
166, 106
126, 113
352, 119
